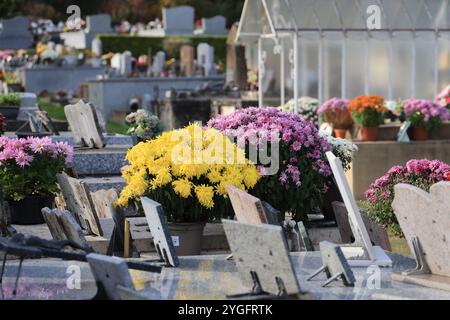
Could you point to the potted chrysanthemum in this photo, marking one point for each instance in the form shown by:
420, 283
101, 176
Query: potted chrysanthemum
424, 116
28, 169
291, 157
143, 125
368, 112
335, 112
187, 172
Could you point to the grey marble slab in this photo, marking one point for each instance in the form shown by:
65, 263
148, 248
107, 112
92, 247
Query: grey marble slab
212, 277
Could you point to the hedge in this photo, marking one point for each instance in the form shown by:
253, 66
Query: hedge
170, 44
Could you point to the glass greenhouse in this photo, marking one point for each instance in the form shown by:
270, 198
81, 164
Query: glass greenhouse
336, 48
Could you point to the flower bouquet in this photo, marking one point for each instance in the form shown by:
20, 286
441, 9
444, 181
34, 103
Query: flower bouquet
28, 169
368, 112
424, 116
188, 171
444, 97
143, 125
335, 112
299, 172
420, 173
307, 107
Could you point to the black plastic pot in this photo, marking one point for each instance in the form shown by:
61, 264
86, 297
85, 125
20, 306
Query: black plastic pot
10, 112
28, 210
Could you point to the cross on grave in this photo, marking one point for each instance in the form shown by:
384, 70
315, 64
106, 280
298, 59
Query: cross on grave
79, 201
425, 222
84, 123
335, 265
262, 260
362, 253
156, 220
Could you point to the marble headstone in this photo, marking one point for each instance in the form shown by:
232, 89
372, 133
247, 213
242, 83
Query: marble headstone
156, 220
158, 63
362, 253
205, 58
97, 48
178, 20
100, 23
261, 250
125, 64
110, 272
334, 261
426, 216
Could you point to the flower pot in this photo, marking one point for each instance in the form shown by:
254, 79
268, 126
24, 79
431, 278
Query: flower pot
419, 133
187, 237
340, 133
369, 133
28, 210
10, 112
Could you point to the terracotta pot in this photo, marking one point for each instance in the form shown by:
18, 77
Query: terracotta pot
340, 133
419, 133
369, 133
187, 238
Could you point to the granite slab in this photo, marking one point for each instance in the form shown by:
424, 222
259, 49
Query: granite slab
209, 277
107, 161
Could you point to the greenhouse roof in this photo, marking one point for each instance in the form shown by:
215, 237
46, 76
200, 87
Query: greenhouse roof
272, 17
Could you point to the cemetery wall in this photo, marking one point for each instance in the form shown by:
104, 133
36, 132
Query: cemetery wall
374, 159
140, 45
54, 79
114, 94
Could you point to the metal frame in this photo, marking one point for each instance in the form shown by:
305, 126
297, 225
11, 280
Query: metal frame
295, 33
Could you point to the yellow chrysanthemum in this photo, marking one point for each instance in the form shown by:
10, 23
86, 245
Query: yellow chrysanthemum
205, 195
182, 187
251, 176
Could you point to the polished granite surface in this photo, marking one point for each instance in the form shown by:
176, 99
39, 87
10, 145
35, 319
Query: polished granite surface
208, 277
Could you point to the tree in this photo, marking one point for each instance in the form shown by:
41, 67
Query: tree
10, 8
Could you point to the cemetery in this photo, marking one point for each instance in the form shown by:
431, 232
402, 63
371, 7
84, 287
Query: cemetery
301, 152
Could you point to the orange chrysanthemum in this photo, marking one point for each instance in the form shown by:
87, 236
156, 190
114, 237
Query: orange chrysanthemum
361, 103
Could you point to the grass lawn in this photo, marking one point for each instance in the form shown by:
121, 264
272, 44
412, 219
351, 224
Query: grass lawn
56, 112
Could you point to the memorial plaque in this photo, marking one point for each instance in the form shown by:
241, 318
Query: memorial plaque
110, 272
261, 253
83, 122
363, 253
156, 220
78, 200
53, 218
248, 209
425, 221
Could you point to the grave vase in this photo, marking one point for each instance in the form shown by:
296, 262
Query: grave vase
419, 133
28, 210
187, 237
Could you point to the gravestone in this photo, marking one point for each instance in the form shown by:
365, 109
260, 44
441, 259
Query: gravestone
110, 272
262, 258
156, 220
378, 235
14, 33
158, 63
116, 61
84, 124
125, 64
214, 26
100, 23
362, 253
334, 264
236, 65
205, 59
178, 20
28, 105
79, 202
425, 222
97, 47
72, 229
187, 56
